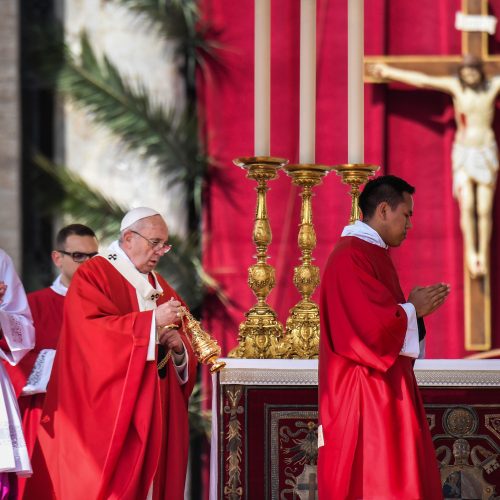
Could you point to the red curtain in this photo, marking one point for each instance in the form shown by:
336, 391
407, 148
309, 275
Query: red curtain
408, 132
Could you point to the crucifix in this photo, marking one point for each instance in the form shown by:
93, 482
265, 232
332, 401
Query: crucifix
475, 161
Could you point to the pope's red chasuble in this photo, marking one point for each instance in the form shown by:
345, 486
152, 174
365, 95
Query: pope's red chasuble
377, 443
111, 427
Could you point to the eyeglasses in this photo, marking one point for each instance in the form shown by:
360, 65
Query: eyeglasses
79, 257
156, 245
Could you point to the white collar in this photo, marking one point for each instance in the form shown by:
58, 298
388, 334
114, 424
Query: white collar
116, 248
58, 287
121, 262
364, 232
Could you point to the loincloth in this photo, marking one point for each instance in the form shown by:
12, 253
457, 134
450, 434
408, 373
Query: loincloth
479, 164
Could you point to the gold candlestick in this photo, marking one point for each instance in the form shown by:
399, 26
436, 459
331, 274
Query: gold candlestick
260, 335
355, 174
302, 326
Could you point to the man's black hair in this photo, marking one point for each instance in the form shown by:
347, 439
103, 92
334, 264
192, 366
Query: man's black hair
72, 229
388, 188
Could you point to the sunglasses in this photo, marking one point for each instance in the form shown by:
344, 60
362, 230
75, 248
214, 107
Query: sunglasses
79, 257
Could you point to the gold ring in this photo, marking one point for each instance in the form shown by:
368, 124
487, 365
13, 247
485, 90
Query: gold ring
172, 326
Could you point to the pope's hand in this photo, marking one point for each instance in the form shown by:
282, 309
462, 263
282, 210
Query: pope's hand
167, 313
3, 289
427, 299
171, 339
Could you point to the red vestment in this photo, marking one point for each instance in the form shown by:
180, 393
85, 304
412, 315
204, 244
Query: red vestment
377, 443
47, 309
110, 424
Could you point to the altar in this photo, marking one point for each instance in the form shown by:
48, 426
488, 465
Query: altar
265, 417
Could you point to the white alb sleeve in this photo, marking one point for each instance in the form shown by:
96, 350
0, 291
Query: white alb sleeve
40, 375
15, 315
410, 346
151, 356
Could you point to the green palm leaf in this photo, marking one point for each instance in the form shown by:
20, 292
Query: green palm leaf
98, 87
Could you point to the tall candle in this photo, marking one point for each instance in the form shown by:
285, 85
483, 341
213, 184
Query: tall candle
355, 87
262, 78
307, 119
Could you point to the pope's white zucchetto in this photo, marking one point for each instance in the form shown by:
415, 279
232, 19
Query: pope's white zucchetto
132, 216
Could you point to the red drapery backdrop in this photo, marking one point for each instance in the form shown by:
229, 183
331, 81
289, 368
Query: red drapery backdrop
408, 132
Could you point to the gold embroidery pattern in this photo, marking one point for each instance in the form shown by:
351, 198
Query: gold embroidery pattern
463, 479
297, 446
431, 420
460, 421
492, 423
233, 489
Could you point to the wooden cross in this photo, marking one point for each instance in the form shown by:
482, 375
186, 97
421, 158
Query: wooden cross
473, 42
477, 300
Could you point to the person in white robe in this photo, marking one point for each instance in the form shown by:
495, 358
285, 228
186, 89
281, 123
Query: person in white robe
17, 337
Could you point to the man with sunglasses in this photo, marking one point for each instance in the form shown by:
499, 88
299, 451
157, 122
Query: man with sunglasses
74, 245
115, 422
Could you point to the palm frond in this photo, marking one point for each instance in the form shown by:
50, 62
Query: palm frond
96, 85
128, 112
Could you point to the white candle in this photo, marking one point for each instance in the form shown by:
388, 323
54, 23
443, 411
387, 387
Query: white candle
355, 87
307, 119
262, 78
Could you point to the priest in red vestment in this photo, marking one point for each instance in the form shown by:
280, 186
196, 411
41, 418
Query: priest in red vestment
74, 244
374, 441
115, 421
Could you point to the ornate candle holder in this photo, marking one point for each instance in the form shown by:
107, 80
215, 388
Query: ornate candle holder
355, 174
261, 334
302, 326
